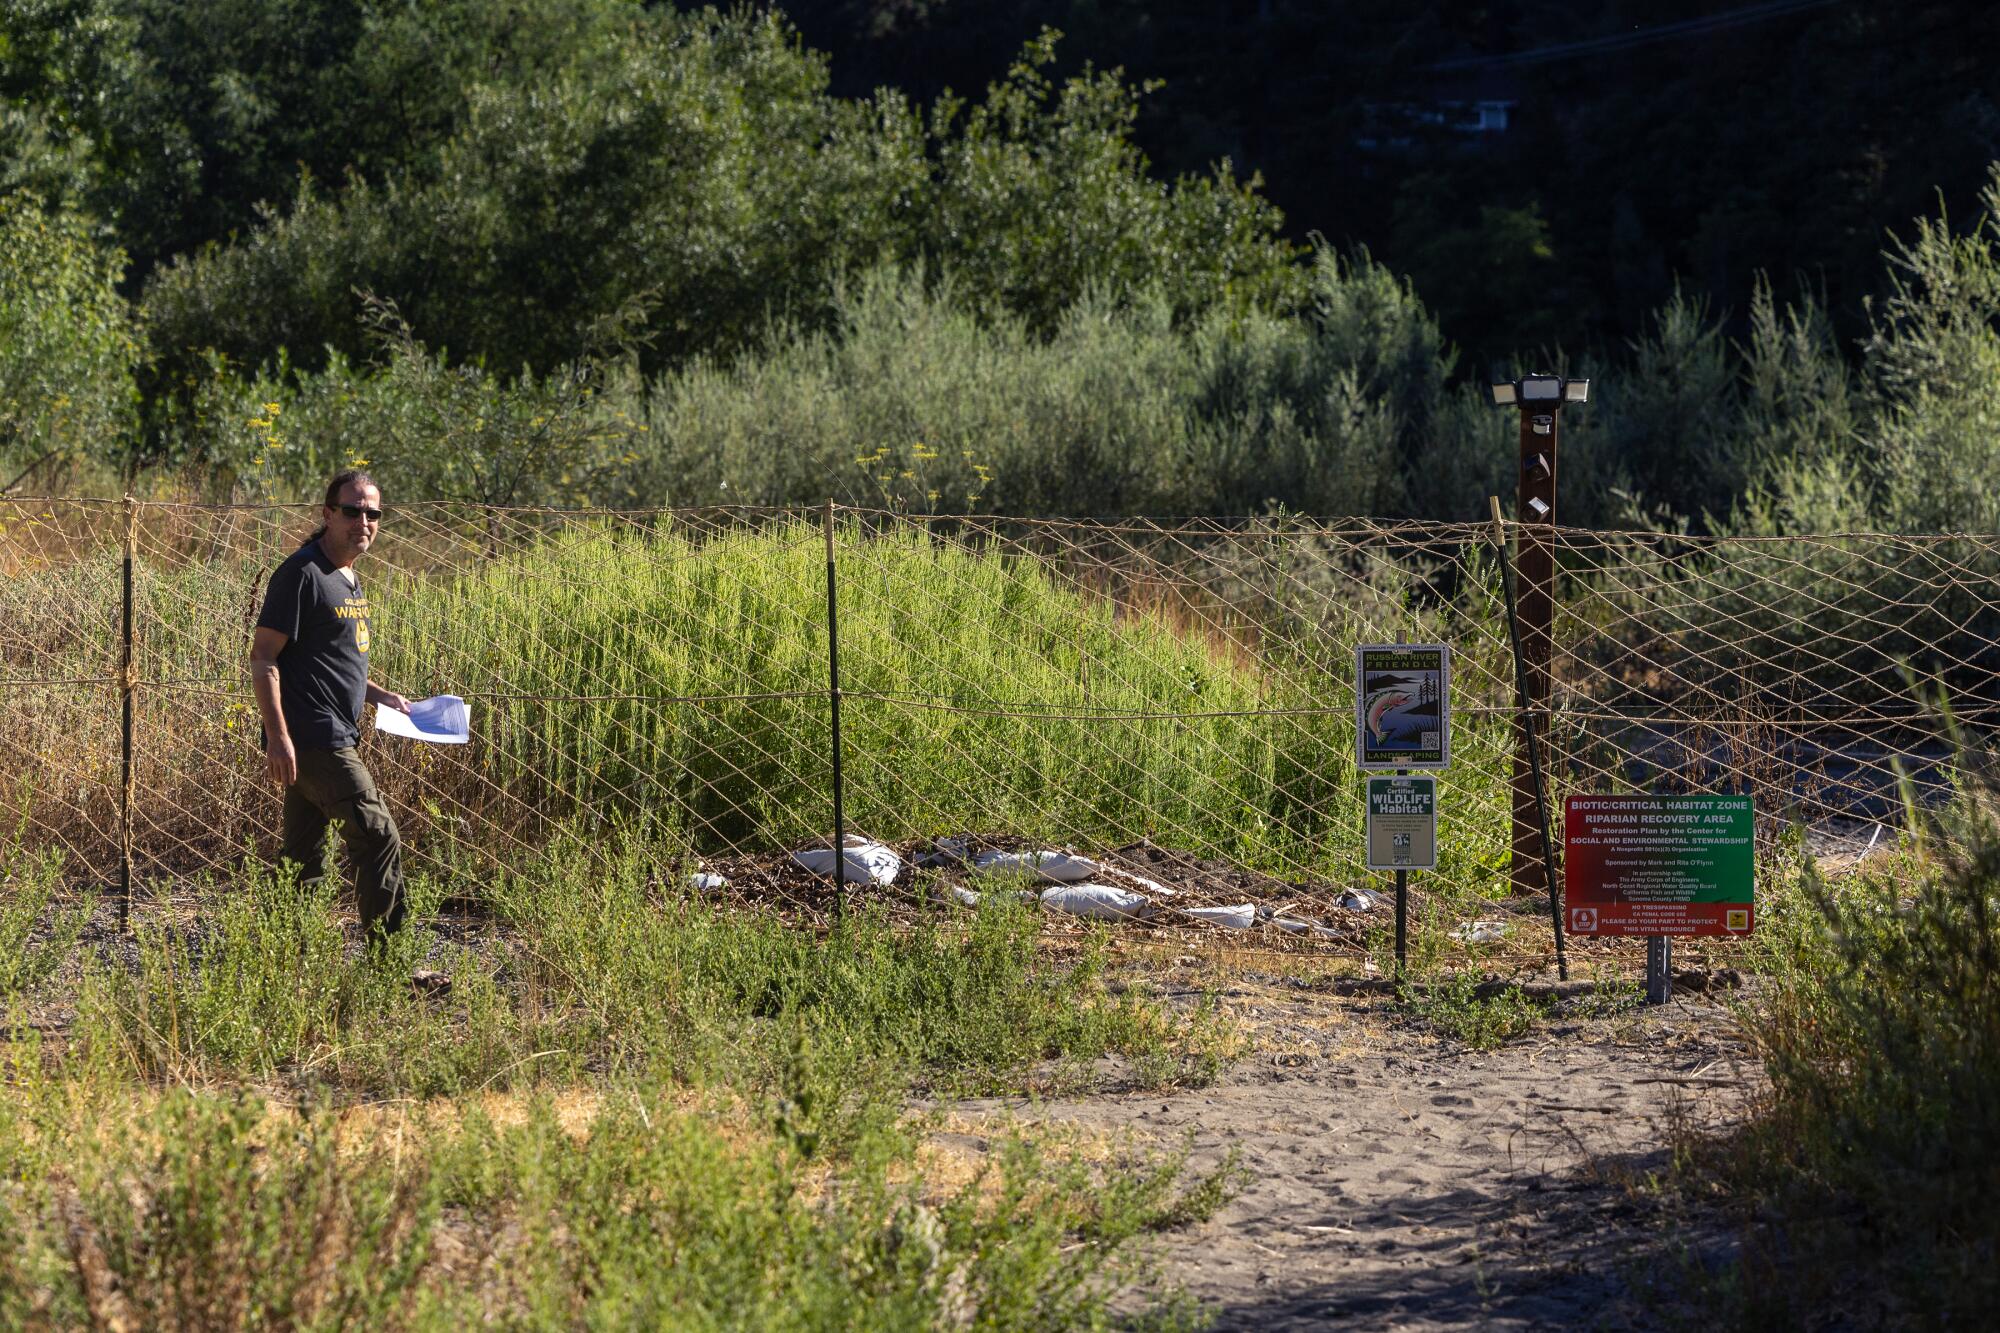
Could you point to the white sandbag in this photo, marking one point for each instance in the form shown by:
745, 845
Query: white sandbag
706, 881
1294, 926
1240, 917
1481, 932
1055, 867
1139, 882
965, 897
946, 851
1098, 902
864, 861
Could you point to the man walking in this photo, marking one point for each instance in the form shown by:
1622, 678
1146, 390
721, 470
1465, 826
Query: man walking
309, 668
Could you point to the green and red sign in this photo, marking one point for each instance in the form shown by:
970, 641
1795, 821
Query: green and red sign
1658, 865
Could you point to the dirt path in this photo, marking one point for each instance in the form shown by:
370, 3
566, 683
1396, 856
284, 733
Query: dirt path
1398, 1182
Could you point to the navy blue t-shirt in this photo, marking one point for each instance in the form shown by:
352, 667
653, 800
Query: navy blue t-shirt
323, 668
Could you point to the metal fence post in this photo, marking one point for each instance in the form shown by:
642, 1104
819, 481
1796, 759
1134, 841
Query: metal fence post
128, 684
833, 700
1659, 969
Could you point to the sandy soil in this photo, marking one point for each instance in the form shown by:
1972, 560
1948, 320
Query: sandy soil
1396, 1181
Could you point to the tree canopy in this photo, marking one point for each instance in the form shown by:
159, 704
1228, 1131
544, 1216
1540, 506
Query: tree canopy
604, 250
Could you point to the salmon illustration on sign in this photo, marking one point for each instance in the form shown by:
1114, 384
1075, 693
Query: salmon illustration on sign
1380, 703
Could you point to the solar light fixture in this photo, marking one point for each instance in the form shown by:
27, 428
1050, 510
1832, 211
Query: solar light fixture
1539, 388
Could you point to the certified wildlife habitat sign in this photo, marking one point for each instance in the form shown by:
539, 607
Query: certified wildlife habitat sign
1402, 705
1658, 865
1402, 824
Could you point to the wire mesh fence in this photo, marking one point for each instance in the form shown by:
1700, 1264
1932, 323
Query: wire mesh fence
1185, 688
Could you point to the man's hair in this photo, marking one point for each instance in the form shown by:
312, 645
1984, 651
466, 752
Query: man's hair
340, 482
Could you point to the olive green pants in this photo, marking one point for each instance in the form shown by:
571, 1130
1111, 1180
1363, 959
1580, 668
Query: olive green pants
334, 787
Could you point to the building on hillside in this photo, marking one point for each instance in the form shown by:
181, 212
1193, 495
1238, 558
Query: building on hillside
1462, 110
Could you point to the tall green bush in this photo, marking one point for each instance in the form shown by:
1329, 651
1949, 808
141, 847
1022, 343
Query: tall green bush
1933, 365
1040, 194
429, 428
912, 400
1799, 404
1882, 1040
1658, 442
68, 345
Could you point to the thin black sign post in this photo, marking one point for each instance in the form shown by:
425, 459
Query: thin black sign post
1659, 969
1402, 920
1403, 895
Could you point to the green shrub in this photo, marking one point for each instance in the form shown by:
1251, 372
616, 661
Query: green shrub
1038, 195
1882, 1041
262, 985
427, 427
37, 930
1933, 367
1451, 1005
209, 1212
696, 157
68, 346
912, 400
208, 1227
741, 616
653, 976
655, 1219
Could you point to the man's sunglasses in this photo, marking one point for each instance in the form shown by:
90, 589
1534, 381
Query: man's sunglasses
360, 511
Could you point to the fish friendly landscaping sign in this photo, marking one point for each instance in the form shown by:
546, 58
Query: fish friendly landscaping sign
1658, 865
1402, 705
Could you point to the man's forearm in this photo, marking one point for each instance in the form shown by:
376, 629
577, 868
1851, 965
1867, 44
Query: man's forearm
264, 684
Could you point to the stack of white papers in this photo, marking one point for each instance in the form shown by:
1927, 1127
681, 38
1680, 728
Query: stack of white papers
444, 719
